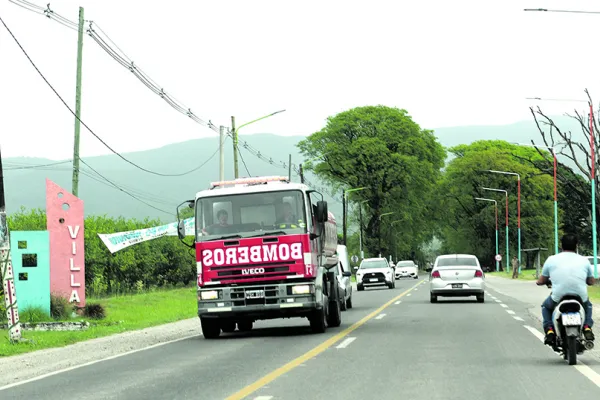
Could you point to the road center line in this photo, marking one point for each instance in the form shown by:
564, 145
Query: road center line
345, 343
519, 318
511, 312
380, 316
504, 305
270, 377
581, 367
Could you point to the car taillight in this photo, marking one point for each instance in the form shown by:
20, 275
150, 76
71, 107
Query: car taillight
435, 274
478, 274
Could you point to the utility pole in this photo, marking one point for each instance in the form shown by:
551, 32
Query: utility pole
8, 279
75, 189
360, 231
235, 148
221, 153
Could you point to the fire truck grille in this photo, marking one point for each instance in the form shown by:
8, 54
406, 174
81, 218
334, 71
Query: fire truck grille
254, 295
254, 271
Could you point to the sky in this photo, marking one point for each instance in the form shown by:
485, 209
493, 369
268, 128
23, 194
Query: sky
448, 63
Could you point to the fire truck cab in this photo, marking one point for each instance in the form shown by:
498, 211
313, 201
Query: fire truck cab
265, 249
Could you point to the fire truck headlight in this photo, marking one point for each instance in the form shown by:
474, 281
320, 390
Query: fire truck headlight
209, 295
301, 289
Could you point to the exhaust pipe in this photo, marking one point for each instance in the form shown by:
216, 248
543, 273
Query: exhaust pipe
589, 345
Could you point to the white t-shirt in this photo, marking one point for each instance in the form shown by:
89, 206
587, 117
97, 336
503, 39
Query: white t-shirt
568, 272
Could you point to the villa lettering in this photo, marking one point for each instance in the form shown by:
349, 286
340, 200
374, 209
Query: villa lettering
72, 268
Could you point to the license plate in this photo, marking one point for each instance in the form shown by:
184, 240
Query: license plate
457, 286
571, 319
373, 279
255, 294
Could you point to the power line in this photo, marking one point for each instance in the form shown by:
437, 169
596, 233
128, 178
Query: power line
83, 123
244, 162
126, 192
119, 56
126, 62
34, 166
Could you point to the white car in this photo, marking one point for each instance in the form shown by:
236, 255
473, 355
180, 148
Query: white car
375, 272
343, 274
457, 275
407, 269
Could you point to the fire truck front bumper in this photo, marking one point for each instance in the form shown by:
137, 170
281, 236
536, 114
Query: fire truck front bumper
258, 302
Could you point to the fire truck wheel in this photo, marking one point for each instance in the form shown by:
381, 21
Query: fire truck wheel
210, 328
228, 326
318, 321
244, 326
334, 317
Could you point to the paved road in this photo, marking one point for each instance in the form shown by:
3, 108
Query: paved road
410, 349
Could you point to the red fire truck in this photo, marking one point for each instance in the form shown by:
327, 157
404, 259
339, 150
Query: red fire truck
265, 249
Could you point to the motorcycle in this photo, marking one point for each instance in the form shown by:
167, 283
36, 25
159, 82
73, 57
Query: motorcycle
568, 317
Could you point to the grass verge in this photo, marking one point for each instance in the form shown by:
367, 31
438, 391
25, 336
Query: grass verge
123, 313
529, 275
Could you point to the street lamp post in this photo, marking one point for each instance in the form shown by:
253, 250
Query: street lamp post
552, 150
507, 238
379, 219
234, 133
344, 202
360, 235
496, 209
518, 207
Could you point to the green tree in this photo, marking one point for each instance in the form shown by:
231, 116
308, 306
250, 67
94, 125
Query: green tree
468, 225
383, 149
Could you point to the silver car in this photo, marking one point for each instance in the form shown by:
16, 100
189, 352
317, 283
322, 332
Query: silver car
343, 274
457, 275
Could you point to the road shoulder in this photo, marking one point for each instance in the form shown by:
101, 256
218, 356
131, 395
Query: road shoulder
34, 364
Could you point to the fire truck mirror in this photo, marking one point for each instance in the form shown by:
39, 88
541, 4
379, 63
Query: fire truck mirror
322, 212
181, 230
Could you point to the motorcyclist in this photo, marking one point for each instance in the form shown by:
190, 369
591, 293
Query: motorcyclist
568, 273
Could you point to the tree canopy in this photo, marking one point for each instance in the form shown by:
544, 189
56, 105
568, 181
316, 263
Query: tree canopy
384, 150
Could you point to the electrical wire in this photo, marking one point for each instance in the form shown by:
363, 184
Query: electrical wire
33, 166
126, 192
244, 162
84, 124
122, 58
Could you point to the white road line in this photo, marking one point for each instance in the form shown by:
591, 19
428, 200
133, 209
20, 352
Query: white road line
263, 397
504, 305
408, 295
37, 378
581, 367
380, 316
416, 289
511, 312
398, 302
345, 343
498, 301
519, 318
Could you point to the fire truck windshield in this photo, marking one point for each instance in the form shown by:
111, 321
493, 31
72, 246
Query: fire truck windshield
250, 214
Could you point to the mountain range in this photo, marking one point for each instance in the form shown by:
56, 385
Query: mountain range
122, 189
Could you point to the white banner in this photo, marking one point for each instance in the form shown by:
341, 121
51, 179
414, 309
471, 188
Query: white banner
121, 240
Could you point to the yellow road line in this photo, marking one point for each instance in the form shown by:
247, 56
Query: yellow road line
270, 377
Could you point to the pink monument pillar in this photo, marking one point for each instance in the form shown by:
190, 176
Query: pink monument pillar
64, 214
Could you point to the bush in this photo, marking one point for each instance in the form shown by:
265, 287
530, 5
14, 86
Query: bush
60, 307
163, 262
95, 311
